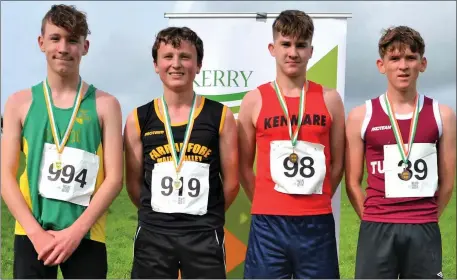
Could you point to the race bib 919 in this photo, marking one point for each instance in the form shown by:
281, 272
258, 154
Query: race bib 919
306, 175
74, 181
188, 197
421, 179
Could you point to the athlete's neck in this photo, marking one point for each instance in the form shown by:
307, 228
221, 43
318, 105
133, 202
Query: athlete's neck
62, 85
178, 99
290, 86
397, 97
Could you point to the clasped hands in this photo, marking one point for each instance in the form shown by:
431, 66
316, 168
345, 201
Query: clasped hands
55, 247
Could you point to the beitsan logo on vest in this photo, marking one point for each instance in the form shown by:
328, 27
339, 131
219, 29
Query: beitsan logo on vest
227, 86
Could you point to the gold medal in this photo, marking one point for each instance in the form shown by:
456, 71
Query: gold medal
177, 184
293, 157
58, 163
60, 143
178, 159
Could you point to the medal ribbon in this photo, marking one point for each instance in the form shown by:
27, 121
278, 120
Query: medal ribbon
190, 123
301, 109
396, 128
60, 143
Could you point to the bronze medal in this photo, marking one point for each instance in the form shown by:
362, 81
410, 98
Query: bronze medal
405, 175
293, 157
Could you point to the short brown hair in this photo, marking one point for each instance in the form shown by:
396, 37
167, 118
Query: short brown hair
401, 37
174, 36
67, 17
294, 23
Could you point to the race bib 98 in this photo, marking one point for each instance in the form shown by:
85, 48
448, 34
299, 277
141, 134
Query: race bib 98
421, 176
74, 181
306, 175
188, 197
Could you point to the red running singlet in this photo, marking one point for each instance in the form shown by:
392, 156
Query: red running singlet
272, 125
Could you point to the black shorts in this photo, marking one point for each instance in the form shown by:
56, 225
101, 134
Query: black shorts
195, 254
89, 260
393, 251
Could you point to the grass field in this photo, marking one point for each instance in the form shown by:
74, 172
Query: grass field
122, 223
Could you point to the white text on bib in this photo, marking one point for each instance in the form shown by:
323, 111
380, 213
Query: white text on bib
75, 182
306, 176
191, 198
423, 168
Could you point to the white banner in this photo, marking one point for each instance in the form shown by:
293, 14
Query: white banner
236, 60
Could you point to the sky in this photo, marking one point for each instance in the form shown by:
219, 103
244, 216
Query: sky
120, 62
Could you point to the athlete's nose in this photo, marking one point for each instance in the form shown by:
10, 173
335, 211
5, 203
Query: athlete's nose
62, 47
293, 52
402, 64
176, 63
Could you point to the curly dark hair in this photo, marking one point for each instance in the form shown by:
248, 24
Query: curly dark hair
174, 36
400, 38
293, 23
67, 17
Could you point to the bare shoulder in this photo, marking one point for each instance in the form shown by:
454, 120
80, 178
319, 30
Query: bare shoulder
448, 118
333, 101
357, 114
106, 103
19, 103
20, 97
229, 114
446, 112
331, 93
250, 106
252, 97
131, 117
103, 96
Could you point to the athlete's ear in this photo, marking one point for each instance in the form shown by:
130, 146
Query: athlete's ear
40, 43
86, 47
199, 67
312, 50
271, 48
155, 67
380, 64
423, 64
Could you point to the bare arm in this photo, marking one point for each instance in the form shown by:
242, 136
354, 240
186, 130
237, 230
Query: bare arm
337, 140
246, 141
110, 111
354, 159
133, 158
11, 143
447, 158
228, 148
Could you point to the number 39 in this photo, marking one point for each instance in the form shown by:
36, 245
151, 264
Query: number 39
419, 167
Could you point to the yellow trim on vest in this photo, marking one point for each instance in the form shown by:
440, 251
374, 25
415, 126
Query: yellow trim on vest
160, 115
221, 125
98, 230
24, 186
137, 122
